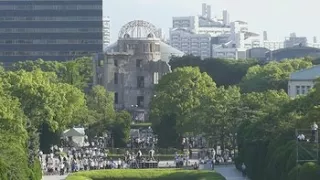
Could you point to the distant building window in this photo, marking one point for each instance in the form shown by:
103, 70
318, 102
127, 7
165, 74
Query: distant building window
303, 90
308, 88
139, 63
100, 63
155, 78
140, 101
116, 62
157, 48
298, 90
151, 48
116, 98
116, 78
140, 82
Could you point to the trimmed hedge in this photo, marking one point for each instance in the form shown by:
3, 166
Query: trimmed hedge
165, 151
161, 157
140, 125
146, 174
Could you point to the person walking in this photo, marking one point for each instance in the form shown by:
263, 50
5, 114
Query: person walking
314, 132
243, 167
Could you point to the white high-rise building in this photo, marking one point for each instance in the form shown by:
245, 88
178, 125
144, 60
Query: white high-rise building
273, 45
106, 32
206, 37
191, 43
226, 17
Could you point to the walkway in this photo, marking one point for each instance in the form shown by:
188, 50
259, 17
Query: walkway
55, 177
230, 172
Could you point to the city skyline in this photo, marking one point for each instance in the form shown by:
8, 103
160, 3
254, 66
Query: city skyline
271, 18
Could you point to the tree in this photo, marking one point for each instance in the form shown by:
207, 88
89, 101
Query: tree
46, 66
121, 129
272, 76
14, 138
177, 95
100, 103
224, 72
45, 101
77, 72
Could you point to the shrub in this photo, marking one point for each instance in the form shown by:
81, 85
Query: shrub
146, 174
161, 157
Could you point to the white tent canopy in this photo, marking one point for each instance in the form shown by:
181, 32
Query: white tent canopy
77, 136
74, 132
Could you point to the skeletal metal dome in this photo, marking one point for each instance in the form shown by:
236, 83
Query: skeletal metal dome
138, 29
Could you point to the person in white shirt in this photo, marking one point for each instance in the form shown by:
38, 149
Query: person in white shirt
314, 129
119, 163
85, 164
301, 137
61, 168
139, 155
243, 167
151, 155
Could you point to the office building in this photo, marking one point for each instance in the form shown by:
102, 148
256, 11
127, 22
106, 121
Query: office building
49, 29
211, 37
273, 45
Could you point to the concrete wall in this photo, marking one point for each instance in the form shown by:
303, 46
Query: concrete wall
296, 88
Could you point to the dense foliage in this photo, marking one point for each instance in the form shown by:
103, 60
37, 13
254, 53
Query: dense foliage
232, 103
146, 174
39, 100
224, 72
252, 111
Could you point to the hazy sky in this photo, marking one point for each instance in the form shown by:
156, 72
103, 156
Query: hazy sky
278, 17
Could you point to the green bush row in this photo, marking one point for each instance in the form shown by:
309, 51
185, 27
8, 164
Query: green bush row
161, 157
144, 151
146, 174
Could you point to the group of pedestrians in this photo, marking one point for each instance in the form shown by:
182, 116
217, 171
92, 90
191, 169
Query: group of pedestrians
83, 159
314, 134
74, 160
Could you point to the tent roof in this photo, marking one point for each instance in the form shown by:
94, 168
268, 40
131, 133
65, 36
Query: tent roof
74, 132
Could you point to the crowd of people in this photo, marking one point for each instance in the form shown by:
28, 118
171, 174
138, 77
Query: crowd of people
83, 159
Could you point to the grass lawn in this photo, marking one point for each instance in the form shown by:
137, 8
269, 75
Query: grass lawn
146, 174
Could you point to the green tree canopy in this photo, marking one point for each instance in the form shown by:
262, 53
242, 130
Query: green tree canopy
272, 76
177, 95
225, 72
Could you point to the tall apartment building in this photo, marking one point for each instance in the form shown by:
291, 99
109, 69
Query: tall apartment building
49, 29
273, 45
106, 32
191, 43
212, 37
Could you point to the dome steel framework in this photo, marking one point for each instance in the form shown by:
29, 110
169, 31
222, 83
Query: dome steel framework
138, 29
